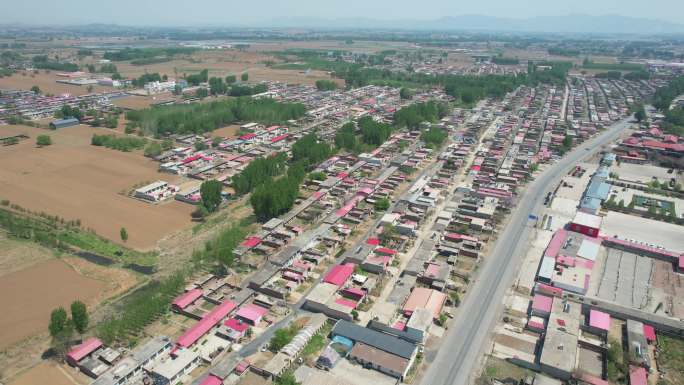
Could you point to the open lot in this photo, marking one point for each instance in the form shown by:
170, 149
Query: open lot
75, 180
27, 309
663, 234
62, 281
47, 82
641, 173
17, 255
45, 373
221, 63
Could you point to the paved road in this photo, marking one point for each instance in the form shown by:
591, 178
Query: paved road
464, 341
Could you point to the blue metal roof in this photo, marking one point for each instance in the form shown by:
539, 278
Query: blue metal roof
65, 121
602, 172
590, 203
598, 189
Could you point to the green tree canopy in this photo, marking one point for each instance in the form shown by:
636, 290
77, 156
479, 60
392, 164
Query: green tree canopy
58, 321
211, 194
79, 316
43, 140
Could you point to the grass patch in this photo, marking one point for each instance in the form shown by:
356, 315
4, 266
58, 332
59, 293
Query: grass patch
316, 343
92, 242
671, 360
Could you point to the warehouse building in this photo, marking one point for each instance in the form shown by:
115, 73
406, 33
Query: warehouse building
63, 123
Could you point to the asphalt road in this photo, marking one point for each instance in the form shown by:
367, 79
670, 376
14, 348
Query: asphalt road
467, 335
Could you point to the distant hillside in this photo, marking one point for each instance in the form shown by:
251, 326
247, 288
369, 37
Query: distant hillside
607, 24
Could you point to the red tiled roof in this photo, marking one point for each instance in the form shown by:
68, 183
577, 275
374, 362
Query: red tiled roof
212, 380
207, 322
542, 303
373, 241
346, 302
637, 376
599, 320
80, 351
236, 325
252, 312
649, 332
251, 242
385, 250
279, 138
185, 299
339, 274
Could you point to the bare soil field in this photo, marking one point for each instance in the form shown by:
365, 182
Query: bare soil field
75, 180
17, 255
47, 373
26, 312
222, 63
134, 102
47, 82
22, 264
227, 131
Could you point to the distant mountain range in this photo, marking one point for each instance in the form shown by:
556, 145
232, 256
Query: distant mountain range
606, 24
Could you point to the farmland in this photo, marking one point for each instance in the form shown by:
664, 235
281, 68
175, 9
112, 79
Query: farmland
60, 285
75, 180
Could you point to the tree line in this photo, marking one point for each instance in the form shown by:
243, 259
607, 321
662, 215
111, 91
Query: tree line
412, 116
140, 308
258, 172
433, 137
146, 53
121, 143
326, 85
199, 118
663, 97
43, 62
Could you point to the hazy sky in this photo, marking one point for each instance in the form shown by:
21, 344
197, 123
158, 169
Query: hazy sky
230, 12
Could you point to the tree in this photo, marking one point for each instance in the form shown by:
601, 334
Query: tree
79, 316
215, 141
167, 144
244, 77
211, 195
382, 204
36, 90
43, 140
216, 86
455, 298
326, 85
200, 145
124, 234
230, 79
153, 149
287, 379
202, 93
58, 321
406, 93
280, 338
355, 314
90, 88
640, 113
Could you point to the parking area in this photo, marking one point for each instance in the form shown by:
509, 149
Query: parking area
641, 173
344, 373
